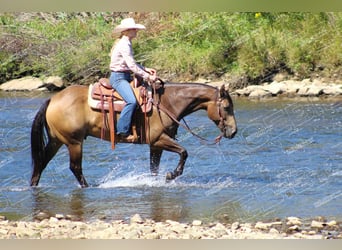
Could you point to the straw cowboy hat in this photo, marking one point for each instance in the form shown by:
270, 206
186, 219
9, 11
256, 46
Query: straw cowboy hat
126, 24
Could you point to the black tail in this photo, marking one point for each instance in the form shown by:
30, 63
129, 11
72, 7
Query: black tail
38, 141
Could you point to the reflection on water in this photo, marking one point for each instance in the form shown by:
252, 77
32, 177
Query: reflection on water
45, 201
157, 204
286, 160
81, 205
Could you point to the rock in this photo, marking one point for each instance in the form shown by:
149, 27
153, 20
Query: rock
22, 84
275, 88
294, 228
314, 90
197, 223
55, 80
3, 217
303, 91
259, 93
59, 216
293, 221
249, 89
292, 87
235, 226
41, 216
53, 220
172, 223
332, 223
136, 219
133, 234
317, 82
332, 90
52, 83
262, 225
306, 81
274, 231
241, 92
71, 217
152, 236
3, 231
317, 224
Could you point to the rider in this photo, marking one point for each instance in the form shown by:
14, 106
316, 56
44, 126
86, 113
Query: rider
122, 65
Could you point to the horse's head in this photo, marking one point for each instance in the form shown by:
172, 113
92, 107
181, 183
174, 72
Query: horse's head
222, 113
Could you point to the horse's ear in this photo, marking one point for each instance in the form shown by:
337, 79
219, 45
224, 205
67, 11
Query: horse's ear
223, 91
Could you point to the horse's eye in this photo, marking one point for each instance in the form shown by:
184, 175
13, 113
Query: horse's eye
226, 108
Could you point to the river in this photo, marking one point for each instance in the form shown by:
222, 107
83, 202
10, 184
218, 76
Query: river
286, 160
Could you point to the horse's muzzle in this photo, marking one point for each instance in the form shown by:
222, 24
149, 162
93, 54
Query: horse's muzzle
230, 132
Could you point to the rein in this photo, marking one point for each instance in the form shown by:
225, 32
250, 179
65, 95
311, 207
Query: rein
159, 107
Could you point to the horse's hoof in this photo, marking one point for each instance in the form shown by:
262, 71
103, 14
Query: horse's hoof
169, 177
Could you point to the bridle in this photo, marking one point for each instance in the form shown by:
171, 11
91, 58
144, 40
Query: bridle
220, 125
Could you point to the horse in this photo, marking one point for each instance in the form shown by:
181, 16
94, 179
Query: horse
67, 119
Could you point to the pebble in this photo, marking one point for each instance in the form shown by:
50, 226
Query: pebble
292, 229
59, 227
332, 223
136, 219
293, 221
317, 224
59, 216
235, 226
197, 223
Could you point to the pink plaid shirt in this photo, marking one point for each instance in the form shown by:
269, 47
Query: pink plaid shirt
122, 58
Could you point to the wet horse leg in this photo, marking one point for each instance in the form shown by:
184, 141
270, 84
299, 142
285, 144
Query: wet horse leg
75, 152
155, 156
49, 152
167, 143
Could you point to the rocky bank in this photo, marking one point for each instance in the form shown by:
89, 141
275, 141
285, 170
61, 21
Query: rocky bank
291, 88
62, 227
281, 88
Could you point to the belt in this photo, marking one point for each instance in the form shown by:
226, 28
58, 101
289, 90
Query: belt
125, 71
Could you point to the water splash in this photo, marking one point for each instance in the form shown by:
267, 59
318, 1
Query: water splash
134, 179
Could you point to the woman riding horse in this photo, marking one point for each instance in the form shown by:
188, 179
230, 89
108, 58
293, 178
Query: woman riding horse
122, 65
67, 119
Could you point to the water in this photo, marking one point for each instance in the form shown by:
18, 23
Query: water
286, 160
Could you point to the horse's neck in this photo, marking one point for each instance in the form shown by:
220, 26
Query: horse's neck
184, 99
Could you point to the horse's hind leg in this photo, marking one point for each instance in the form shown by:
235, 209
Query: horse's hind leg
155, 155
49, 152
75, 152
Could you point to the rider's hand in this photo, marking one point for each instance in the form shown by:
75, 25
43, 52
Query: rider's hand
153, 74
152, 78
151, 71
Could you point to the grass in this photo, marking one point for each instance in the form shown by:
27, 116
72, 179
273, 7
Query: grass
180, 45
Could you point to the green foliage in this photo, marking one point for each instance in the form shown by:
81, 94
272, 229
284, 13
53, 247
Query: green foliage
187, 45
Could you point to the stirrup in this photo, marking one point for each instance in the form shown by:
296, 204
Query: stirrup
128, 138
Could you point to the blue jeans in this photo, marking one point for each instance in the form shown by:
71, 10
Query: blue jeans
120, 82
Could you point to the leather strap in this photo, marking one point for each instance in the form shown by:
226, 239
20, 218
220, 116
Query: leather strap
111, 122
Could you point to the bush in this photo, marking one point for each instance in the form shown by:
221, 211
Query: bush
184, 45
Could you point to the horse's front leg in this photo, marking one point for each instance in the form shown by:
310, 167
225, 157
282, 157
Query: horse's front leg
167, 143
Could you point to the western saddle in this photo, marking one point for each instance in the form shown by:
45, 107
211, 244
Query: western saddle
101, 96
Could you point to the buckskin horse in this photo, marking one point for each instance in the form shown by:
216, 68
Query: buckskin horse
66, 118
